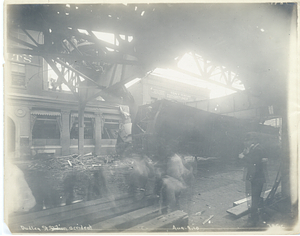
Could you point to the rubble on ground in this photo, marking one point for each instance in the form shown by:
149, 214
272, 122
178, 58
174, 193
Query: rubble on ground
57, 169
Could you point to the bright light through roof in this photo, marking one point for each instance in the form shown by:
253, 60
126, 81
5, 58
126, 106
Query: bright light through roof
215, 90
130, 38
132, 82
110, 49
188, 63
65, 87
196, 65
53, 76
107, 37
83, 31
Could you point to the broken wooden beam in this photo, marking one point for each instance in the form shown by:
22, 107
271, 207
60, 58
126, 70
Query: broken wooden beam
239, 210
174, 221
50, 216
208, 219
128, 220
241, 207
69, 163
245, 199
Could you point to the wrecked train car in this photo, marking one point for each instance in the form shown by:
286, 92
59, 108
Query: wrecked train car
194, 132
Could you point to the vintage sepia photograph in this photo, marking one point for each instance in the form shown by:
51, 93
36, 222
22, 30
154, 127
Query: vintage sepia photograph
151, 118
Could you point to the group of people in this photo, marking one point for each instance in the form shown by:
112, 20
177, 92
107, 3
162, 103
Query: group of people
167, 173
171, 176
174, 176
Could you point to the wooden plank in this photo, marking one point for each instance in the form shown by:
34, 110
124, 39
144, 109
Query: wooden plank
208, 219
245, 199
85, 219
242, 208
92, 215
78, 213
128, 220
51, 151
177, 219
61, 216
86, 215
101, 216
239, 210
23, 218
241, 201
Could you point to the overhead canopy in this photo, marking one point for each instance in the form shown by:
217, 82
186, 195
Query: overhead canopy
250, 39
45, 113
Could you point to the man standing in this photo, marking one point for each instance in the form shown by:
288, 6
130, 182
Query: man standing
255, 175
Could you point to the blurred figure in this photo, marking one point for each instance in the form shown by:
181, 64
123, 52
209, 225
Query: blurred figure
89, 186
142, 171
69, 185
175, 178
43, 189
53, 84
97, 186
255, 175
170, 192
18, 195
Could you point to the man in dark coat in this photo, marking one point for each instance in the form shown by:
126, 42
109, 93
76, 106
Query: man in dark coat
255, 175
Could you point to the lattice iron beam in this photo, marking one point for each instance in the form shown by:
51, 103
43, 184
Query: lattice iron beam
206, 79
43, 52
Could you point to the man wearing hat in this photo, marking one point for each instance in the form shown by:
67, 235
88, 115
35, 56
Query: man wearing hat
255, 175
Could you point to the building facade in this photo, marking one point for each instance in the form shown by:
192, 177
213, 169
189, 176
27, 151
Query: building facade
39, 119
153, 88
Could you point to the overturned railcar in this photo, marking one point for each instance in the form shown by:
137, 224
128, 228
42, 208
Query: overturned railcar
195, 132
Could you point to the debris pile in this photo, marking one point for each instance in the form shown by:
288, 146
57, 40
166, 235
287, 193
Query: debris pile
81, 169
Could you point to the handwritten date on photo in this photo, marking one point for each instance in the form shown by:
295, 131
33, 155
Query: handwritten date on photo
57, 228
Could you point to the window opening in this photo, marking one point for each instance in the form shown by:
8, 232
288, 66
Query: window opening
18, 75
110, 129
46, 127
88, 129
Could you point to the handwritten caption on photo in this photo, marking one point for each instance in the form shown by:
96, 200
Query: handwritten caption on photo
196, 228
52, 228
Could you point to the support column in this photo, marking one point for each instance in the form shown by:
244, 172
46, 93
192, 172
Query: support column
98, 133
65, 133
81, 130
285, 181
17, 142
